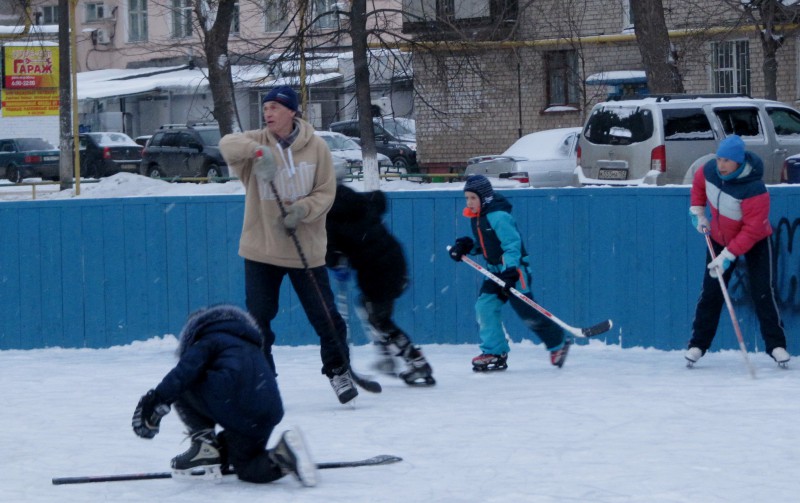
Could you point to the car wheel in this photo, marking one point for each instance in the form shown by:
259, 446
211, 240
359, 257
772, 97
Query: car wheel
400, 164
213, 171
13, 174
154, 171
94, 170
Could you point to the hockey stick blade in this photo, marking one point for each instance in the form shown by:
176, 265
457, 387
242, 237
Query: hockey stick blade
600, 328
366, 384
383, 459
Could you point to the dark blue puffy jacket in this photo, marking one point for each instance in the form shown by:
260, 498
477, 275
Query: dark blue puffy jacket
221, 362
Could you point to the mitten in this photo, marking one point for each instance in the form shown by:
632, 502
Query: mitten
699, 220
461, 247
148, 414
721, 263
264, 164
294, 213
510, 276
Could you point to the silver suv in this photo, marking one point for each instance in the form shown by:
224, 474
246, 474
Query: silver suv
656, 139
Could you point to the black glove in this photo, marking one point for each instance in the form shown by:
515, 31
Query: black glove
510, 276
148, 414
462, 247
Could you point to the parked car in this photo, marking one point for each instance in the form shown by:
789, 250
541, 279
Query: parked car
541, 159
28, 157
391, 139
183, 150
344, 149
655, 140
143, 139
108, 153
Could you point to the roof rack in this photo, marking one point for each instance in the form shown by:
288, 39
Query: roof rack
171, 126
213, 123
678, 96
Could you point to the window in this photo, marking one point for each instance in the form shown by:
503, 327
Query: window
137, 20
785, 121
235, 27
50, 14
329, 16
95, 11
739, 121
683, 124
277, 14
628, 20
458, 11
730, 63
181, 18
562, 81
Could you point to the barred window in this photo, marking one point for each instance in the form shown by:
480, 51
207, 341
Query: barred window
730, 62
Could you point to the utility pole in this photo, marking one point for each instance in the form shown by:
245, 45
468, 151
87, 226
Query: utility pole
68, 135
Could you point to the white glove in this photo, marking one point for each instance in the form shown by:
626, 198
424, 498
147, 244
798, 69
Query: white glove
294, 213
699, 220
264, 164
722, 262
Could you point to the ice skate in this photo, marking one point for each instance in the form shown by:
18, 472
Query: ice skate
202, 458
781, 357
692, 355
486, 362
342, 384
385, 363
559, 356
419, 371
291, 454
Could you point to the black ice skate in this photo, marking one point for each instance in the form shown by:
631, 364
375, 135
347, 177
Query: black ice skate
385, 363
419, 371
559, 356
202, 458
293, 457
486, 362
342, 384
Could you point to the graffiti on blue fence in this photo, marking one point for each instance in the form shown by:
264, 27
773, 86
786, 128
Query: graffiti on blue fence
786, 262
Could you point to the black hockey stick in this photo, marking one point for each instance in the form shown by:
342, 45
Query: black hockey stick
602, 327
363, 382
383, 459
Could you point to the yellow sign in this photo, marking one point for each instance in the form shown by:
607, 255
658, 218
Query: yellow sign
30, 67
29, 102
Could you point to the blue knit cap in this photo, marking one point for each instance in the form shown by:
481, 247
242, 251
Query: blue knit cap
284, 95
732, 148
481, 186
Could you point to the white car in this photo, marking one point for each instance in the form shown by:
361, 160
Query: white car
345, 149
542, 159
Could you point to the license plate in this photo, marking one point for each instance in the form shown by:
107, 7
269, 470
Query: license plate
51, 158
613, 174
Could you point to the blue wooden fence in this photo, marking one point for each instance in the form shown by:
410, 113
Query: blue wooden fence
103, 272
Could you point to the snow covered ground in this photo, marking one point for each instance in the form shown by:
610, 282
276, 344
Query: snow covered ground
613, 425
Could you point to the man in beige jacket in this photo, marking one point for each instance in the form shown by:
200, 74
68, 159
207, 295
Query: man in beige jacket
287, 160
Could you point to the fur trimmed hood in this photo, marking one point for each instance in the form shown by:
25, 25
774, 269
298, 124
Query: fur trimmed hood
220, 317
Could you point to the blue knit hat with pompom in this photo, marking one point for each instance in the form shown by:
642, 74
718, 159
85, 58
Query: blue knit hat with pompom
481, 186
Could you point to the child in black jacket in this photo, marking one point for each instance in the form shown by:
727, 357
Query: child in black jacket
357, 238
222, 378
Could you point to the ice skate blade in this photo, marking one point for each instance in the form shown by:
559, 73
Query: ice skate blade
205, 472
421, 382
306, 468
489, 369
690, 364
783, 365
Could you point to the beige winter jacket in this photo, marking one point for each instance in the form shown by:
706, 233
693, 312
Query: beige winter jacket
305, 177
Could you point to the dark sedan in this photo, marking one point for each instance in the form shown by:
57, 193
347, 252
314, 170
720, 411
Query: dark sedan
106, 154
28, 157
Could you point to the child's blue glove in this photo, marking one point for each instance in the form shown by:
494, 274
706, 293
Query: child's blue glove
341, 273
722, 262
699, 220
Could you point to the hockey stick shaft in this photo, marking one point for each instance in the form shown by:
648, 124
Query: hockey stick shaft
363, 382
600, 328
374, 461
729, 304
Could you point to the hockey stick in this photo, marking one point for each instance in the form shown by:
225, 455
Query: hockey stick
602, 327
383, 459
363, 382
730, 306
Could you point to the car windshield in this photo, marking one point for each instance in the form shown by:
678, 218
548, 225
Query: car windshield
336, 142
26, 144
112, 139
209, 136
395, 128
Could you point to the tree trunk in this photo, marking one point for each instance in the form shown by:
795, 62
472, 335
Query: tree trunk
660, 66
358, 33
219, 67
